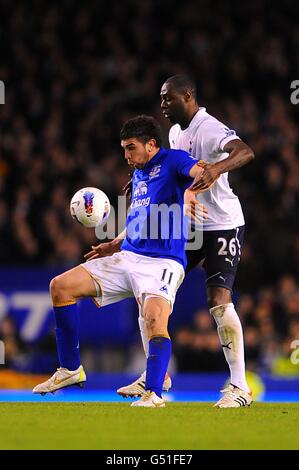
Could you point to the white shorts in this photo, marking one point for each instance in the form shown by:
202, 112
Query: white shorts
126, 274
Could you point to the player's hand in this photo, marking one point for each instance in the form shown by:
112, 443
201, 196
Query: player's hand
210, 174
104, 249
193, 208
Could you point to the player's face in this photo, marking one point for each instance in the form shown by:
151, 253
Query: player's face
136, 153
173, 104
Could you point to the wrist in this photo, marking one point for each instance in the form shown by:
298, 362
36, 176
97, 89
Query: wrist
221, 167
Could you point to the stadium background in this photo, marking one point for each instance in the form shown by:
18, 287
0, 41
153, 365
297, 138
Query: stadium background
73, 74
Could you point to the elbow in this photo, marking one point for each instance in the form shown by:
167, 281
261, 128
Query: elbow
249, 155
252, 155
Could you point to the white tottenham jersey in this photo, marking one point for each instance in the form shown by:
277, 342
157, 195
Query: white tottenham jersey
204, 139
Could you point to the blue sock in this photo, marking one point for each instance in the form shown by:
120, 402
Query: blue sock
157, 363
67, 335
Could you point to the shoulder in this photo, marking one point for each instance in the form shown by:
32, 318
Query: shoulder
216, 134
174, 130
212, 124
180, 161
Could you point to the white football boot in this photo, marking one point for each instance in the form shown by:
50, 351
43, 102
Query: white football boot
62, 378
149, 400
137, 388
234, 397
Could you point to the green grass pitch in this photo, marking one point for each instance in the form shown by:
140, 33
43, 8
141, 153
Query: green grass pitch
118, 426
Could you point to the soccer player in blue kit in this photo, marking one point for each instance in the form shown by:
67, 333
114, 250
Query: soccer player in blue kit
148, 267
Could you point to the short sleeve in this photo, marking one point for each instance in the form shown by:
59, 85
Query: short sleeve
182, 162
217, 136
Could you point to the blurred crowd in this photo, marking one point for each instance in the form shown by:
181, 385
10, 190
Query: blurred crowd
74, 73
270, 320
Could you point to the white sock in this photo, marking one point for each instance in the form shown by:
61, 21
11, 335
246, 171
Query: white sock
145, 341
231, 337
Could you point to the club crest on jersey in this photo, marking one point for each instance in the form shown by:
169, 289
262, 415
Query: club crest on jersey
88, 202
164, 289
229, 132
155, 171
141, 189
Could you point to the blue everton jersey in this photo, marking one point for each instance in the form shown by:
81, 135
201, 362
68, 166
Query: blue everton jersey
155, 224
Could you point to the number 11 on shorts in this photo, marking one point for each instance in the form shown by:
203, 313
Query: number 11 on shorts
166, 275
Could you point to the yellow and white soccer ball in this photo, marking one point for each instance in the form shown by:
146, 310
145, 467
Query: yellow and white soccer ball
90, 207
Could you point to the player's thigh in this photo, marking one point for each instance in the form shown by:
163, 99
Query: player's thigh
156, 276
223, 253
76, 282
110, 275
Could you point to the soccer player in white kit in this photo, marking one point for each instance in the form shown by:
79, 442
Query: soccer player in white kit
206, 138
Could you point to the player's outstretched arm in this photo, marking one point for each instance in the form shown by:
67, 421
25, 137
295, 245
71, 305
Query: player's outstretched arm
239, 155
192, 207
106, 249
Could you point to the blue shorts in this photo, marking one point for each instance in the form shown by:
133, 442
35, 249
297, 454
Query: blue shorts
221, 252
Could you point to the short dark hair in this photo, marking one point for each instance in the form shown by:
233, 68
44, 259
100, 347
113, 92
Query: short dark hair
183, 83
143, 128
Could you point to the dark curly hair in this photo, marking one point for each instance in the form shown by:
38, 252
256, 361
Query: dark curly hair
143, 128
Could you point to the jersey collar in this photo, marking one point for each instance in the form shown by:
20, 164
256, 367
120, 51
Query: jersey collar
155, 159
195, 120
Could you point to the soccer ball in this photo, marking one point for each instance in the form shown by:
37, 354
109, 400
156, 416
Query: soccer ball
90, 207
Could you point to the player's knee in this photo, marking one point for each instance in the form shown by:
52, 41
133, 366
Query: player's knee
218, 296
153, 317
58, 288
